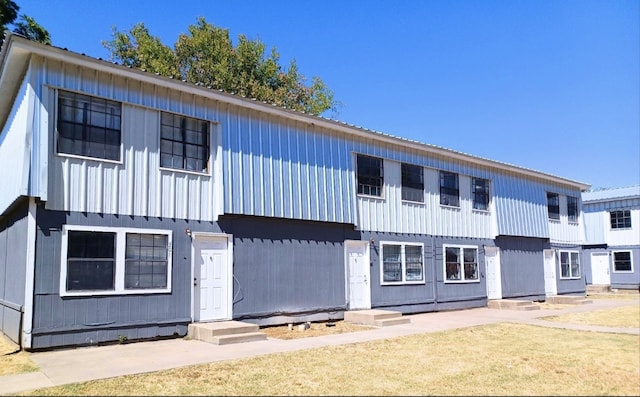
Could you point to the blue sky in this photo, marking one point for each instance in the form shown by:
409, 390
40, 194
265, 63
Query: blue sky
548, 85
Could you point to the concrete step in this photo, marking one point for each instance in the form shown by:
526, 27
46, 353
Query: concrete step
375, 317
568, 300
391, 321
225, 332
598, 289
512, 304
238, 338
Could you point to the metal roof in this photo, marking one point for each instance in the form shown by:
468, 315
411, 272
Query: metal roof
611, 194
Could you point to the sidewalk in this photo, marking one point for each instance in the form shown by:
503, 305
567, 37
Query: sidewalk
88, 363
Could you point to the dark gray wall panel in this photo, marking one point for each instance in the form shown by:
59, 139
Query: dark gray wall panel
286, 266
13, 259
522, 267
618, 280
572, 286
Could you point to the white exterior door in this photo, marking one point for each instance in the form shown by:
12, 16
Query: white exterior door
550, 284
494, 278
358, 274
600, 274
212, 269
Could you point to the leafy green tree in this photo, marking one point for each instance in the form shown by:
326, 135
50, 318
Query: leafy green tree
30, 29
8, 14
26, 27
206, 55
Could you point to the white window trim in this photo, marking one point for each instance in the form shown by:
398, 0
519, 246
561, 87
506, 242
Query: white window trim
404, 266
121, 234
212, 125
78, 156
355, 173
571, 277
613, 261
444, 264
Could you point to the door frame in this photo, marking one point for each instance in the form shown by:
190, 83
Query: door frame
496, 250
347, 244
204, 235
554, 266
605, 254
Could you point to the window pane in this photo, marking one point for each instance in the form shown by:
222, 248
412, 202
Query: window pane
564, 264
391, 263
480, 189
413, 262
412, 183
90, 275
622, 261
146, 261
575, 264
452, 263
370, 176
572, 208
470, 264
553, 205
449, 193
186, 140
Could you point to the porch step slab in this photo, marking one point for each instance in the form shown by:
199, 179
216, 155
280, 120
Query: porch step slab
568, 300
225, 332
375, 317
598, 289
512, 304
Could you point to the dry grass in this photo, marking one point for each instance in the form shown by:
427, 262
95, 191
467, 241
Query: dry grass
621, 294
498, 359
13, 361
623, 317
316, 329
554, 306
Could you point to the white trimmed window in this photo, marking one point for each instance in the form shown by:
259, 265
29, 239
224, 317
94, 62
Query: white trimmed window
114, 261
622, 262
553, 205
460, 264
569, 264
184, 143
401, 263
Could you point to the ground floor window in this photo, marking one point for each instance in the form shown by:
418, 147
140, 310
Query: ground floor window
569, 264
402, 263
460, 263
622, 261
104, 260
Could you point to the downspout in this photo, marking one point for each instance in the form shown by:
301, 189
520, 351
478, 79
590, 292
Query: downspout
435, 276
27, 315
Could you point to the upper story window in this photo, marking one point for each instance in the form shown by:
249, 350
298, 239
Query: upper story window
460, 264
553, 205
412, 183
622, 262
620, 219
370, 175
402, 263
569, 264
449, 191
184, 143
480, 190
572, 208
88, 126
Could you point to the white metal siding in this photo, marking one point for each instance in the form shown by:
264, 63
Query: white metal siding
563, 231
598, 222
15, 148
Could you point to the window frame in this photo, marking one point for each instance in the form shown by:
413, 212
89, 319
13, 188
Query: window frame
571, 275
620, 220
403, 263
476, 194
59, 120
209, 141
371, 177
613, 255
573, 218
461, 248
120, 260
444, 195
550, 206
405, 176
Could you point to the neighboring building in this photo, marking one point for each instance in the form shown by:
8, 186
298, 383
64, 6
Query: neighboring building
137, 204
612, 234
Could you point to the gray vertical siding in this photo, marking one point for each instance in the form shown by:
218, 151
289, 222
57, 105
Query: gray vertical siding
13, 259
287, 268
85, 320
620, 280
571, 285
522, 267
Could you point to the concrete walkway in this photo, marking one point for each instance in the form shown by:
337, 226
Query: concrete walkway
66, 366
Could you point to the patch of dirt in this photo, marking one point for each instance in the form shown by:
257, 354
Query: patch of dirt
315, 329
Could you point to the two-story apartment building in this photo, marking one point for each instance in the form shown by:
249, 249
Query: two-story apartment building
133, 205
612, 237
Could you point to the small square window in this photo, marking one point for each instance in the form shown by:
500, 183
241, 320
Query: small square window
184, 143
460, 264
622, 262
569, 264
402, 263
620, 219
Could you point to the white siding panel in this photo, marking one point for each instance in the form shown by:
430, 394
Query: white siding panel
15, 148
